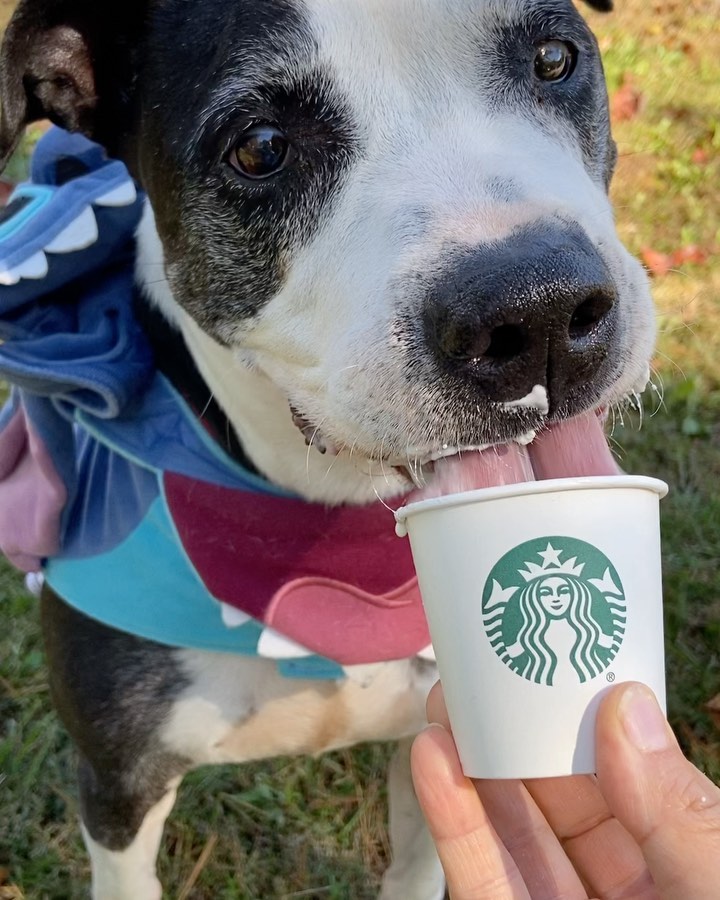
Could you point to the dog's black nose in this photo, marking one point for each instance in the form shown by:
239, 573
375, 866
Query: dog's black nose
537, 308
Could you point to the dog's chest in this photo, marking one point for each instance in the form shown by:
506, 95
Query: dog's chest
236, 709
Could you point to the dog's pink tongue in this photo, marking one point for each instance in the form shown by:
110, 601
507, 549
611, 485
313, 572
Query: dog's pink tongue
569, 449
572, 449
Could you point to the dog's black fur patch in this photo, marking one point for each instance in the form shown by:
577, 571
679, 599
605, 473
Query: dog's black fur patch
113, 692
227, 240
580, 100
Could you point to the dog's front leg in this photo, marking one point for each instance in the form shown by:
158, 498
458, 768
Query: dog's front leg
415, 872
129, 873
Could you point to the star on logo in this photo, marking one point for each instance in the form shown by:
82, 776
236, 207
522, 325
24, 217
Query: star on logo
551, 565
550, 556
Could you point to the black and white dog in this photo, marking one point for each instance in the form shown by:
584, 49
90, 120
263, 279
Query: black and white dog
380, 226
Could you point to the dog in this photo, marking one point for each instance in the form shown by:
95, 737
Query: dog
374, 238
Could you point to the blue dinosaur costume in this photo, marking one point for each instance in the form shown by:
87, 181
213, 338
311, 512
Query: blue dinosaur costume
111, 484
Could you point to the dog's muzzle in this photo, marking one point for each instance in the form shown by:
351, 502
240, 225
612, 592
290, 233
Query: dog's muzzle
538, 308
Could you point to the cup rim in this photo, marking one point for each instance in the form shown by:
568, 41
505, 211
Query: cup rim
526, 488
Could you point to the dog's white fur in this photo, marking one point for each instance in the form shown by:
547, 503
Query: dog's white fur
326, 344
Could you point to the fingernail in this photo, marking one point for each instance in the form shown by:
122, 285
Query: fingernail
643, 720
436, 725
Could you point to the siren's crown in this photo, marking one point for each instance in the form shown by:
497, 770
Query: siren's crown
551, 565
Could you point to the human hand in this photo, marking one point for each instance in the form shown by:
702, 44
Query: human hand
647, 828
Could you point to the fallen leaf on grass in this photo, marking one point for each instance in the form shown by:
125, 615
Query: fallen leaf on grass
627, 101
660, 264
713, 707
692, 254
656, 262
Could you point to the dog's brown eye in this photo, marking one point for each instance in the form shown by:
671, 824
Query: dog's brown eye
262, 151
554, 60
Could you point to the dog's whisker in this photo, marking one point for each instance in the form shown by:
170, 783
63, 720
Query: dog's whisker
640, 408
203, 411
379, 497
308, 451
151, 282
613, 421
310, 447
619, 410
381, 462
658, 389
617, 448
330, 467
672, 362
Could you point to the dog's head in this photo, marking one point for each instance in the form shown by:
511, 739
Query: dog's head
396, 210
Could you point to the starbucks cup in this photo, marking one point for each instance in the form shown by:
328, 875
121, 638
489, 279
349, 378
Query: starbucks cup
539, 597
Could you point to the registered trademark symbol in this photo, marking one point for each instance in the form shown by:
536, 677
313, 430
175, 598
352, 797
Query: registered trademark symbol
610, 677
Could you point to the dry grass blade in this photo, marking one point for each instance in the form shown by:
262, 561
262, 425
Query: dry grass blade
203, 860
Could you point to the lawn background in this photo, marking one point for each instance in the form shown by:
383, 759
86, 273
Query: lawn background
315, 828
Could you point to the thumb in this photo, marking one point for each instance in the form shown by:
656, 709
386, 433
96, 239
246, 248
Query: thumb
669, 807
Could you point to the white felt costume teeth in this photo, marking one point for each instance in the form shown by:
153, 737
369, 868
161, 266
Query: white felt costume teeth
123, 195
273, 645
427, 653
233, 617
35, 266
81, 233
34, 582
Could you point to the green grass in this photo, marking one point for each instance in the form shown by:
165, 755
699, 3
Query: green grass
315, 828
667, 186
17, 167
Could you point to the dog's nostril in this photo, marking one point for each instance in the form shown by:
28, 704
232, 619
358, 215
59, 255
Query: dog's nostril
506, 341
466, 341
588, 313
463, 341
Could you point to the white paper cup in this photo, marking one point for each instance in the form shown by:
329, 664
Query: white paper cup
539, 596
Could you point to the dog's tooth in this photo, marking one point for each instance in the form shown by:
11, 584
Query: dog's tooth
123, 195
35, 266
233, 617
82, 232
427, 653
34, 582
273, 645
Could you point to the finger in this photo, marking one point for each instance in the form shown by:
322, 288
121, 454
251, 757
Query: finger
477, 866
607, 858
523, 830
529, 839
669, 807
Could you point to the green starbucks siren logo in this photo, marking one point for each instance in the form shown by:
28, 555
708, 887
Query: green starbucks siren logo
554, 610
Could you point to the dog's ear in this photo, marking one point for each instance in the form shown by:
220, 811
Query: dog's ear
70, 61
